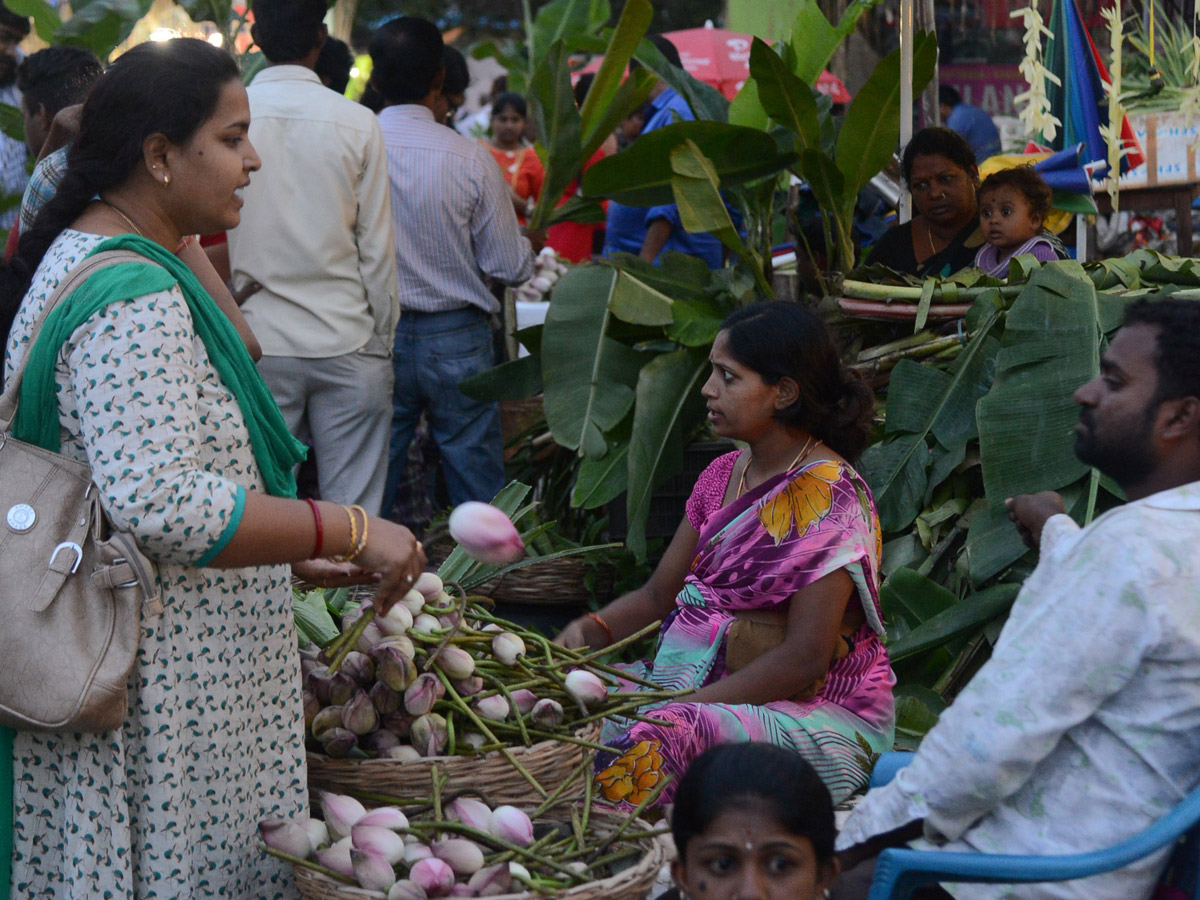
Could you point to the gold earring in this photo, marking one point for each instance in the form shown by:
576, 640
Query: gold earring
166, 180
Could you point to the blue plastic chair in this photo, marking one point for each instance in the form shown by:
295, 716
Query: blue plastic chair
900, 871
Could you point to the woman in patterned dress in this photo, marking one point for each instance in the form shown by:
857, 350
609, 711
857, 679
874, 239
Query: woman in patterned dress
191, 457
768, 591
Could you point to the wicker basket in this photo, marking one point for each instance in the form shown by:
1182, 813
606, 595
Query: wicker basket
555, 582
550, 762
632, 883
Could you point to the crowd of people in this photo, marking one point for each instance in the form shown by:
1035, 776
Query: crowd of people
350, 296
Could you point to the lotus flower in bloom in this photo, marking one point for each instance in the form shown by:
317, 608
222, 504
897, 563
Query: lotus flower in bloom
337, 858
385, 817
512, 825
429, 586
381, 841
585, 687
372, 871
406, 890
433, 876
485, 533
456, 662
494, 707
430, 734
472, 813
547, 713
288, 837
423, 693
341, 813
508, 648
461, 855
525, 700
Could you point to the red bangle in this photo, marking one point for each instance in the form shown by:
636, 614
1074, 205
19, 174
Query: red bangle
312, 504
599, 621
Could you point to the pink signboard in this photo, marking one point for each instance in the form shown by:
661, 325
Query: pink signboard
990, 87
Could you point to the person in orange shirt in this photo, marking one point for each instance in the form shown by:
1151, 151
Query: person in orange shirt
517, 160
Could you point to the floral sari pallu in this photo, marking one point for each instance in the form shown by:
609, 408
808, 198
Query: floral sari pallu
752, 556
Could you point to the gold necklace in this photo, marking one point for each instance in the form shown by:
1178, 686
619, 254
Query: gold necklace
132, 224
803, 452
929, 234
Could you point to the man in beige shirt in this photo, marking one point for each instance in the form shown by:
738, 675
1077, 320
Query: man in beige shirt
316, 233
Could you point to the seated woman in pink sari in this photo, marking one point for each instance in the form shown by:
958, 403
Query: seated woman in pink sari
769, 589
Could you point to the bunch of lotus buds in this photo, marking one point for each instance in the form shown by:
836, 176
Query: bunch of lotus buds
436, 676
548, 268
452, 846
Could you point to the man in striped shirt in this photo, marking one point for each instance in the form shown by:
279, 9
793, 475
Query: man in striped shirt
454, 228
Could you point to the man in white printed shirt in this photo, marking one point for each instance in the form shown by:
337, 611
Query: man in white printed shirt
316, 233
1084, 726
455, 226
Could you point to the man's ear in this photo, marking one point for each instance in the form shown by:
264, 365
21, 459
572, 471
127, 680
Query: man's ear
1179, 419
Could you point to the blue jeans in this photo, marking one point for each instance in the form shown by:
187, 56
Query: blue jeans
433, 353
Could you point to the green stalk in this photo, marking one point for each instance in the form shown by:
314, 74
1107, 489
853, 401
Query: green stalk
349, 640
629, 820
551, 736
309, 864
512, 704
551, 800
623, 642
436, 781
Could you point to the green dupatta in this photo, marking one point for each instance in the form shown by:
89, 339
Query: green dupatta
275, 450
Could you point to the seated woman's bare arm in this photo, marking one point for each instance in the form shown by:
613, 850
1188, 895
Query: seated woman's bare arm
814, 622
652, 601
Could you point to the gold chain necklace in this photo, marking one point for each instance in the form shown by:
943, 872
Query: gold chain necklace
808, 445
929, 234
132, 224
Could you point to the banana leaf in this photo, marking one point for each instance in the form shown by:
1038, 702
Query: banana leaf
785, 97
667, 390
556, 117
601, 107
815, 40
1051, 346
100, 25
314, 624
707, 103
219, 12
561, 20
12, 123
512, 380
602, 480
641, 175
965, 615
46, 19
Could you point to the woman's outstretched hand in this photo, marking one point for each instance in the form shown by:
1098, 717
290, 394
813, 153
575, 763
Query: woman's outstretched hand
582, 632
396, 557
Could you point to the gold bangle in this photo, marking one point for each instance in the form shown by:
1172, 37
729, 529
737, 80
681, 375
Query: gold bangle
345, 557
362, 541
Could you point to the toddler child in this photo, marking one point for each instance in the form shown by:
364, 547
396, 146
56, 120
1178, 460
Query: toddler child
1013, 204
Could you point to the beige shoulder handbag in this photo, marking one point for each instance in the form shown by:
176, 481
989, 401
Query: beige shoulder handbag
71, 589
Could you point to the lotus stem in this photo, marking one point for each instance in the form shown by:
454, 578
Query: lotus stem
461, 610
436, 796
512, 705
349, 640
614, 857
552, 799
309, 864
623, 642
624, 826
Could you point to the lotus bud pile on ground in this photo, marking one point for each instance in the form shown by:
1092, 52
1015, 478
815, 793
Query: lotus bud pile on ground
457, 845
457, 680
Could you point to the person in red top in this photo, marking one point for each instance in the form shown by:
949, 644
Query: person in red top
517, 160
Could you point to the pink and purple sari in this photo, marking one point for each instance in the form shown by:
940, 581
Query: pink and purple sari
754, 554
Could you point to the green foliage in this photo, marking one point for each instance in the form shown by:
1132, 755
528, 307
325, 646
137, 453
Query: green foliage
12, 123
100, 25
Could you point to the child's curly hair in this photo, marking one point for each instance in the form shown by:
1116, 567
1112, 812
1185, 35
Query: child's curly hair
1025, 180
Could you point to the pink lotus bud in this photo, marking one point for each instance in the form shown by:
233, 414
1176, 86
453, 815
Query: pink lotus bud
318, 681
415, 852
394, 668
492, 880
472, 739
494, 707
516, 870
430, 734
547, 713
385, 817
312, 706
371, 636
472, 813
429, 586
508, 648
586, 688
341, 689
485, 533
337, 858
359, 667
492, 628
434, 876
341, 813
426, 623
359, 715
286, 836
378, 840
379, 742
468, 686
318, 833
338, 742
385, 700
406, 890
372, 871
414, 602
329, 717
423, 693
397, 620
525, 701
401, 642
448, 620
461, 890
398, 723
461, 855
456, 662
404, 753
512, 825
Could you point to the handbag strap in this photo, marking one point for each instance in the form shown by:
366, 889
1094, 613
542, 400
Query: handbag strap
67, 286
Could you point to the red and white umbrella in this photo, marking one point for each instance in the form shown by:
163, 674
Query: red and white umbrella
722, 58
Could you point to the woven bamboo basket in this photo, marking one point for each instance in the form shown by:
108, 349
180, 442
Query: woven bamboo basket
550, 762
556, 582
632, 883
